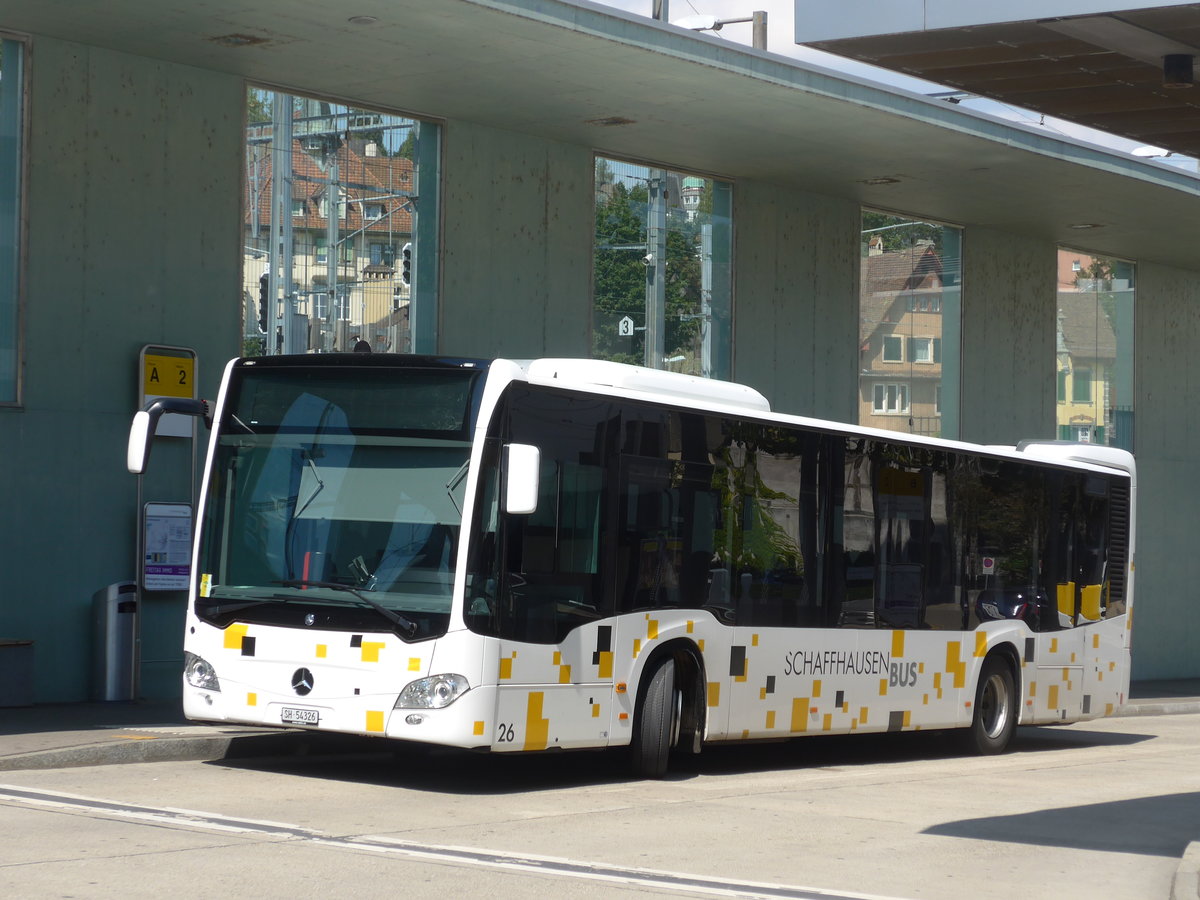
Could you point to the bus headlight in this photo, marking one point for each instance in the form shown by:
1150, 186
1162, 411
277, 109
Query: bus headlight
433, 692
199, 672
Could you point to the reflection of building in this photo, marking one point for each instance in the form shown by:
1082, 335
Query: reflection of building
900, 334
373, 223
693, 193
1093, 396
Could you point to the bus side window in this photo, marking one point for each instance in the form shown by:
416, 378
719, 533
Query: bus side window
651, 546
666, 511
778, 579
551, 572
1092, 549
853, 582
1061, 580
482, 611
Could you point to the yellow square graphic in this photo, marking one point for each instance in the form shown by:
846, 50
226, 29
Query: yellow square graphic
370, 650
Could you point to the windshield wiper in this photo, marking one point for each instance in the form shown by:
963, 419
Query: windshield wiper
406, 625
307, 456
454, 482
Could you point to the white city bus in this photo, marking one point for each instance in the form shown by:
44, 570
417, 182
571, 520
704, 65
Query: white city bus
570, 553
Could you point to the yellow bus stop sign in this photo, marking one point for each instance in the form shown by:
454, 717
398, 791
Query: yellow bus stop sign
169, 372
169, 376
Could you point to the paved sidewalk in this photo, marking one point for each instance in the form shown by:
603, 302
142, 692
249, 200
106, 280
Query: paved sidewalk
88, 734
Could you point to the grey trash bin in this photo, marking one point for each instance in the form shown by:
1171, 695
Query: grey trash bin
114, 611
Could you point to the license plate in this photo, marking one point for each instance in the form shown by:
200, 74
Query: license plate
299, 716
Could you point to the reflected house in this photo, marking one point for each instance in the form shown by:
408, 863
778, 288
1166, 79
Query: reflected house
900, 333
374, 222
1093, 396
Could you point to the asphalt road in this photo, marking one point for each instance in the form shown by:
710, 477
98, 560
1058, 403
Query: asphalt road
1100, 809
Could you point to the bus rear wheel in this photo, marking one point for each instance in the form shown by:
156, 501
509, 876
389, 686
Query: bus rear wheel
995, 710
656, 723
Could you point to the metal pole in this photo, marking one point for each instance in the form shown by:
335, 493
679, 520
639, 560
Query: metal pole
759, 26
284, 277
660, 10
706, 336
332, 198
656, 270
281, 206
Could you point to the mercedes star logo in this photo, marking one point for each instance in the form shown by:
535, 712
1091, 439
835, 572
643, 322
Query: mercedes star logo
309, 619
302, 681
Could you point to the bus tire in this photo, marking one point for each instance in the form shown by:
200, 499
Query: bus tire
995, 710
655, 723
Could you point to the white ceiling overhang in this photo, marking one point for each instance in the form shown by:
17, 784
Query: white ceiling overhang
566, 71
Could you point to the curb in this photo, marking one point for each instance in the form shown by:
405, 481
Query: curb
1158, 708
199, 748
1186, 885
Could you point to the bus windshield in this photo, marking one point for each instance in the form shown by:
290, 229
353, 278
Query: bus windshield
335, 499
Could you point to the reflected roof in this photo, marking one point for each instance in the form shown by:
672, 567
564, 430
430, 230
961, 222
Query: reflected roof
1101, 70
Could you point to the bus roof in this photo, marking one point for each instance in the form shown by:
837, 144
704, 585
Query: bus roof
1070, 451
655, 382
705, 393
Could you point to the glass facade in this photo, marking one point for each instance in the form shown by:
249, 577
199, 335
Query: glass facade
662, 279
321, 175
909, 334
1094, 348
12, 130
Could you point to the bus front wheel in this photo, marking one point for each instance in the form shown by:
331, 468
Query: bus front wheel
656, 723
995, 710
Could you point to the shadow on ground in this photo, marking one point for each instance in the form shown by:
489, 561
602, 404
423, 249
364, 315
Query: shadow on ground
1155, 826
441, 770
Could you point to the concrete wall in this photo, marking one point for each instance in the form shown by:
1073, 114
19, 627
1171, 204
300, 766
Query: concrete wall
516, 243
1008, 321
132, 239
1166, 435
795, 314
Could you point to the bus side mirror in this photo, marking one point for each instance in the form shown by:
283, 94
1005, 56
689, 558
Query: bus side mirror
137, 454
145, 424
522, 464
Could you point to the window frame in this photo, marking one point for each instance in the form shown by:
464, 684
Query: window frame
720, 253
880, 389
911, 283
1082, 379
421, 139
917, 343
17, 254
